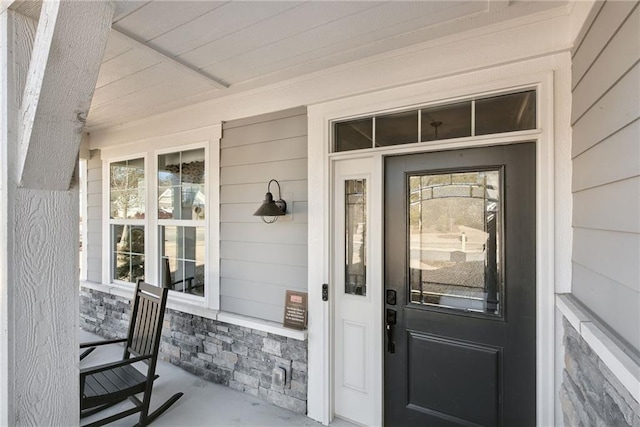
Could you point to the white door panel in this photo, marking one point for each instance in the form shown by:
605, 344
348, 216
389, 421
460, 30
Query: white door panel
356, 287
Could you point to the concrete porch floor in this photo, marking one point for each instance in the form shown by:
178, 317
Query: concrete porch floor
204, 403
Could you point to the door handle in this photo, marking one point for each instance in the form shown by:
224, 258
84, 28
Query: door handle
390, 328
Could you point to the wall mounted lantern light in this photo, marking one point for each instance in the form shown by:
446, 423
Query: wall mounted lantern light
270, 209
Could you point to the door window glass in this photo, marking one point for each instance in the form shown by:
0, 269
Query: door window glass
455, 241
355, 280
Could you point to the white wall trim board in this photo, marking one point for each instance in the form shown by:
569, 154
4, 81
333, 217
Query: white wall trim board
551, 76
615, 357
221, 316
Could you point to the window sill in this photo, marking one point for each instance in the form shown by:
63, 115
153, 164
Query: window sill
199, 310
623, 366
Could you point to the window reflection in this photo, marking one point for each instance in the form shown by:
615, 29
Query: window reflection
355, 236
182, 257
506, 113
449, 121
181, 190
454, 240
397, 128
354, 134
127, 247
126, 184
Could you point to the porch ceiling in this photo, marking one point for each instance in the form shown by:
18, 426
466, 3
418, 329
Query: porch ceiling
163, 55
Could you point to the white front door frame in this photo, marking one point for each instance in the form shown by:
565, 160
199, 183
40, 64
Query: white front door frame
551, 76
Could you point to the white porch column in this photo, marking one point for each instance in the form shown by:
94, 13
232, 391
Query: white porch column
48, 70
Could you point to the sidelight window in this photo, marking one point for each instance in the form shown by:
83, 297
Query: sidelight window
355, 236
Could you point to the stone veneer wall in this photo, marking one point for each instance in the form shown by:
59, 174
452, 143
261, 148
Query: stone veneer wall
271, 367
591, 395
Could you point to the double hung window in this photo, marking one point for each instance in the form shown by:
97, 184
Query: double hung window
127, 219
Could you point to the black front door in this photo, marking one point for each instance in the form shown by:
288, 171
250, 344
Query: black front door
460, 288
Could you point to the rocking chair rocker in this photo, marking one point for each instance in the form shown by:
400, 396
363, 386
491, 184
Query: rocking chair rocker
106, 385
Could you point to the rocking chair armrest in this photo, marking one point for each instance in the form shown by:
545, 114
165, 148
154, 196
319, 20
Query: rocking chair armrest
102, 342
105, 367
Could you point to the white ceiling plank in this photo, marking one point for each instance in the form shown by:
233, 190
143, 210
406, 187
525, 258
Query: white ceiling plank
115, 47
166, 17
155, 76
220, 22
282, 26
125, 64
147, 98
373, 25
252, 44
161, 56
313, 60
127, 7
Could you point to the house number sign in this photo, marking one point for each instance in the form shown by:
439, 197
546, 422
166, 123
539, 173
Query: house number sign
295, 310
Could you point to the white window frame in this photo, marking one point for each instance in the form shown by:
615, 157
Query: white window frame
207, 138
178, 296
84, 212
108, 222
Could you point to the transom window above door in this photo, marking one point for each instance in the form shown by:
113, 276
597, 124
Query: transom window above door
480, 116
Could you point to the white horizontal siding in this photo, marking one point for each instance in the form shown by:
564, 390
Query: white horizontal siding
616, 109
611, 254
273, 130
606, 168
622, 52
279, 232
614, 303
283, 254
603, 28
252, 308
265, 293
614, 207
614, 159
258, 261
249, 193
243, 212
287, 276
94, 217
278, 150
285, 170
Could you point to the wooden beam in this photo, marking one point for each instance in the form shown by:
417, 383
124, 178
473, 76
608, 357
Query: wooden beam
29, 8
180, 65
38, 264
67, 52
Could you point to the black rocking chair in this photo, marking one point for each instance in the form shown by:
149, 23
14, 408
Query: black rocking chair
106, 385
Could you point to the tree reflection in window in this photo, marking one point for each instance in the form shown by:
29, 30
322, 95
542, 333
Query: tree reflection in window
127, 212
127, 189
